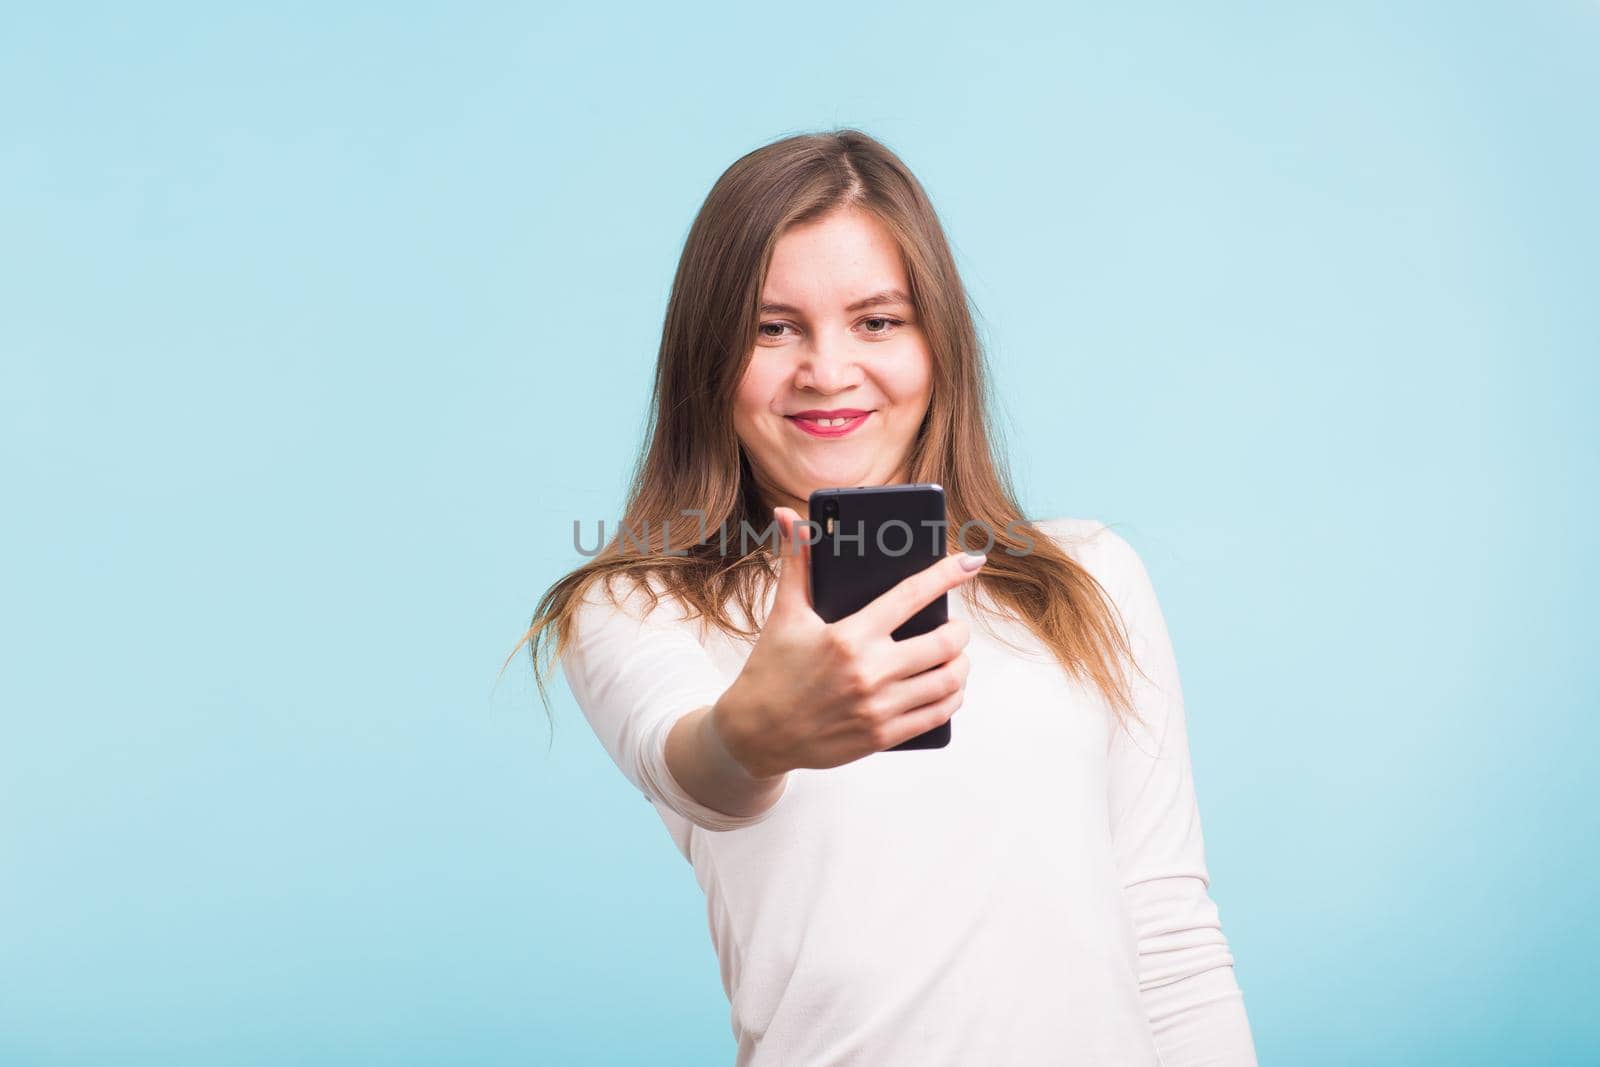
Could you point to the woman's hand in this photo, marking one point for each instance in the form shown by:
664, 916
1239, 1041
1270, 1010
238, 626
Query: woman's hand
821, 694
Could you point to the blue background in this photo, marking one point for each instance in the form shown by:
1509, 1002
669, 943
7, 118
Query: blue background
320, 325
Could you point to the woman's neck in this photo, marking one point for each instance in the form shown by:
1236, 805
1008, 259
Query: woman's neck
777, 498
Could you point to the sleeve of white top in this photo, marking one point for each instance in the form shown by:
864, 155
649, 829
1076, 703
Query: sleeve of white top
634, 671
1186, 976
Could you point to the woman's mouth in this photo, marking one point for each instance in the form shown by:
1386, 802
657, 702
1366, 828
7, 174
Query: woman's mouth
829, 423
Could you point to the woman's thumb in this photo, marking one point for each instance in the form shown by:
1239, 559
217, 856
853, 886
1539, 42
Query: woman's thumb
793, 576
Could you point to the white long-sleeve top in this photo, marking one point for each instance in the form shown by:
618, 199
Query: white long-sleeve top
1035, 893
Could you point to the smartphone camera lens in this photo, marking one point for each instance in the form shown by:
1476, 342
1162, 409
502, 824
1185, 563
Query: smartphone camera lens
830, 514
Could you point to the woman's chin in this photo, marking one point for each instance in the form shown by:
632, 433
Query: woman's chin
838, 478
835, 475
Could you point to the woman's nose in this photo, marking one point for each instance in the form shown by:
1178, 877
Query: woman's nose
827, 366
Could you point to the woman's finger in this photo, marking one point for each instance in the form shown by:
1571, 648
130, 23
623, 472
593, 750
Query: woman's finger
920, 720
930, 686
885, 613
926, 651
794, 564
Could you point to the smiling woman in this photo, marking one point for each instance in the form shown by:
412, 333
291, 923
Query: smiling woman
852, 371
1034, 892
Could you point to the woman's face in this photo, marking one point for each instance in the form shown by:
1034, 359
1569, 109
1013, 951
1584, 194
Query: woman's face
838, 340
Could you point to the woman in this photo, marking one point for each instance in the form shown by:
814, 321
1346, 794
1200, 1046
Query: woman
1033, 893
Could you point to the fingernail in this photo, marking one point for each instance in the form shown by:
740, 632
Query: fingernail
971, 561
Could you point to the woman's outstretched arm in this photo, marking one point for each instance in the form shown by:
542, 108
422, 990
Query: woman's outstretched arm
1186, 975
699, 759
647, 687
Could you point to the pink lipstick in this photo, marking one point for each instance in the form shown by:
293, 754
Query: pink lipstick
835, 423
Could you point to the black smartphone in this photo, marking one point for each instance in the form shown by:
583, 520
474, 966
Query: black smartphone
869, 539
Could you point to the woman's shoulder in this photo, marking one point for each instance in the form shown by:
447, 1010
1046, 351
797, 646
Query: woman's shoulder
1067, 529
1076, 535
639, 597
1092, 543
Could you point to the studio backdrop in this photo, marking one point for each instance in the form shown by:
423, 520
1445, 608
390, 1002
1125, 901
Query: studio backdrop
321, 326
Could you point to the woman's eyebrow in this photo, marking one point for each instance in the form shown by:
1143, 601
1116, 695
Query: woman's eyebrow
879, 299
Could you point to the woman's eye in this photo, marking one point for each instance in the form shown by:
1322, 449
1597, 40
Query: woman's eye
884, 325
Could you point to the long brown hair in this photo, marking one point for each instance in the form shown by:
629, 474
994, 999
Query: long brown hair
694, 460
